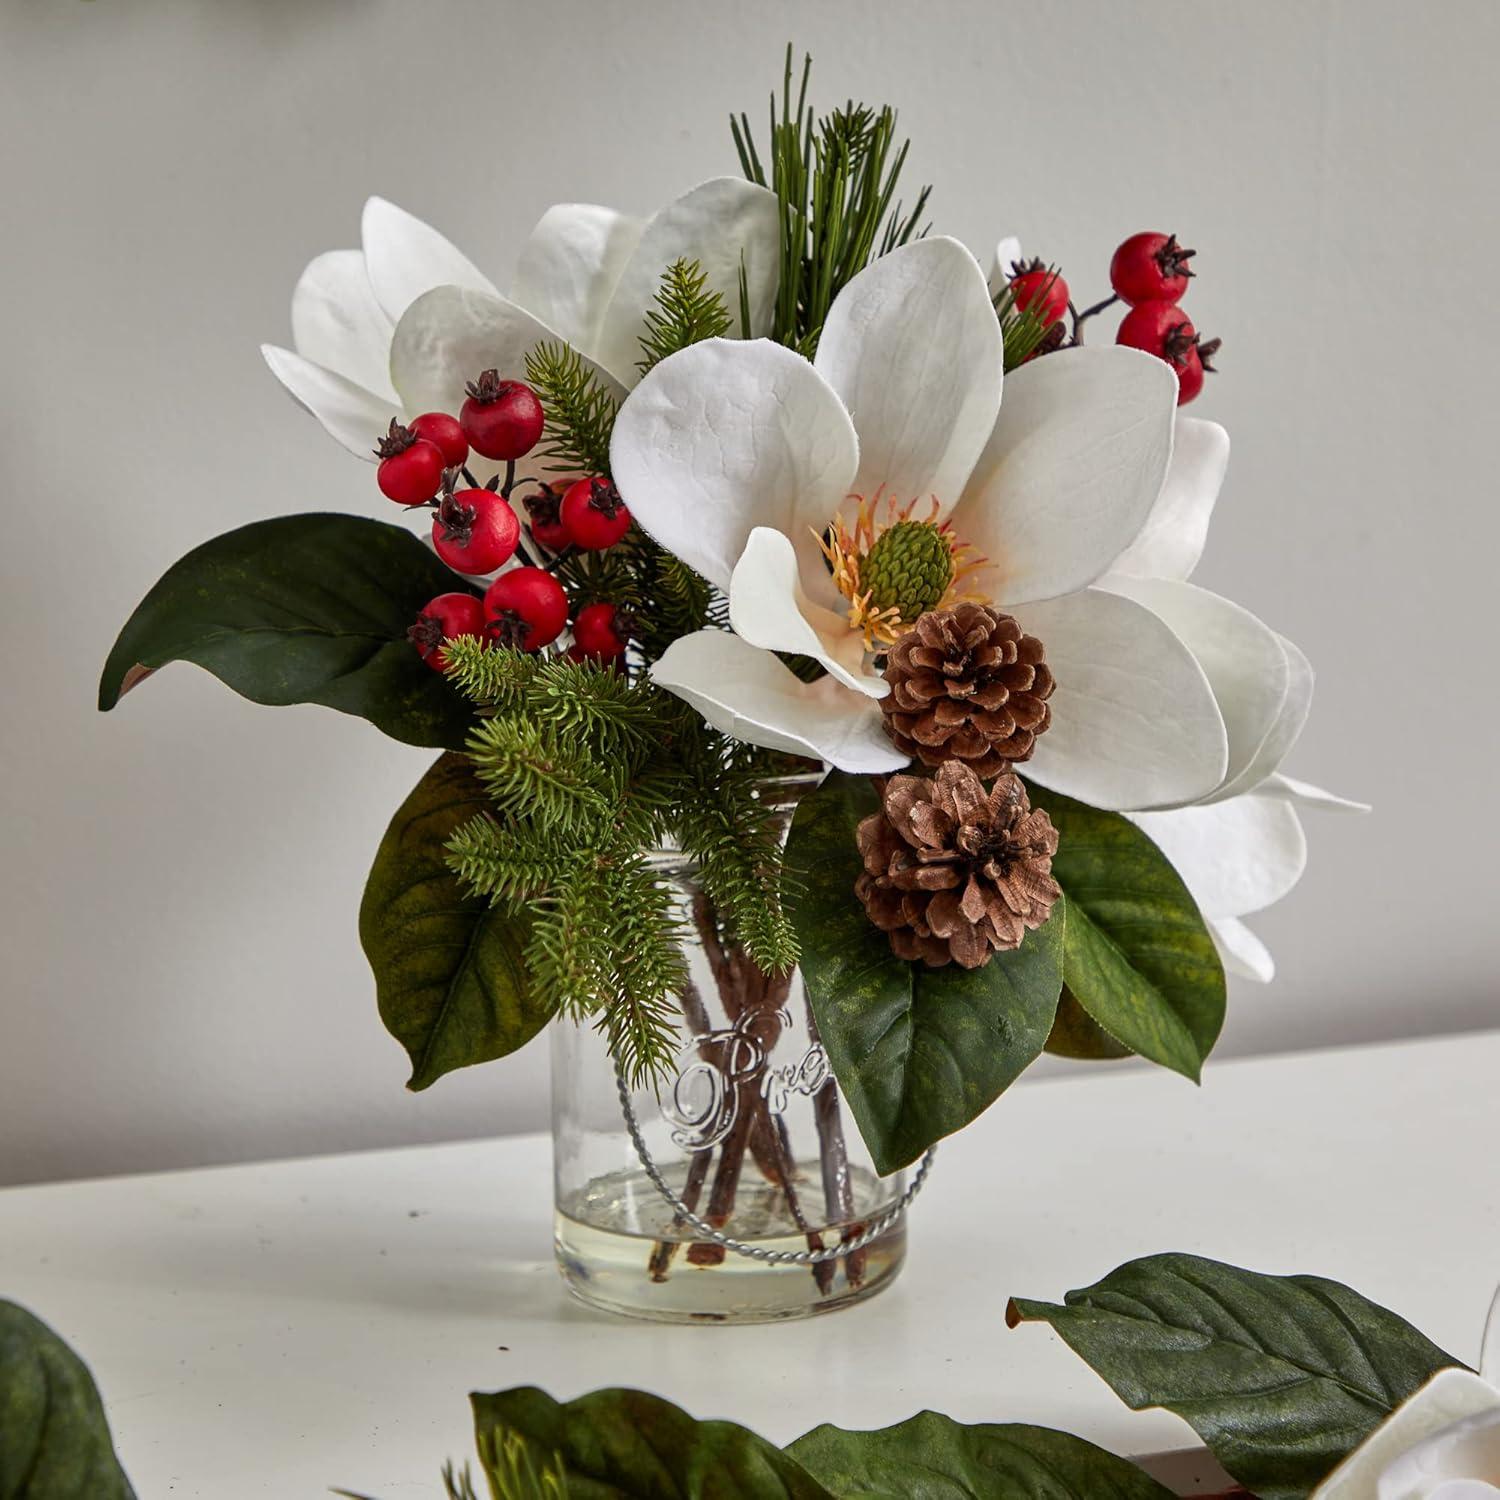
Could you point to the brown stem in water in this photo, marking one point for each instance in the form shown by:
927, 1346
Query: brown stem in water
833, 1153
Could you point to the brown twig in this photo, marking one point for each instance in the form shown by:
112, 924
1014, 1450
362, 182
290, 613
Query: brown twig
833, 1154
663, 1252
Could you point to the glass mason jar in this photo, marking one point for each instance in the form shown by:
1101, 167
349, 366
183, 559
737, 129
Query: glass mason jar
751, 1137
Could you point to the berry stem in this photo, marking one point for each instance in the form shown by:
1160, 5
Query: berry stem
1080, 318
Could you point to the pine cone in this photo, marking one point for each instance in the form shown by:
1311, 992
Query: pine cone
955, 872
968, 684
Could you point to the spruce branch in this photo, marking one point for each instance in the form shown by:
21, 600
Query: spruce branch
492, 676
685, 311
510, 863
536, 773
580, 410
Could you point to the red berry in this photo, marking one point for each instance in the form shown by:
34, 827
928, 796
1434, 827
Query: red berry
1163, 329
1150, 268
525, 608
475, 531
446, 432
411, 468
544, 512
442, 619
600, 633
501, 418
1189, 378
594, 514
1046, 290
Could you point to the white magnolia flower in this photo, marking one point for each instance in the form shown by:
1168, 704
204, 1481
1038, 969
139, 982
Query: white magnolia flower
397, 327
1442, 1443
739, 456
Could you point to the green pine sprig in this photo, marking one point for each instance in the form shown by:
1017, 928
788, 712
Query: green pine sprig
580, 410
1023, 328
835, 181
685, 310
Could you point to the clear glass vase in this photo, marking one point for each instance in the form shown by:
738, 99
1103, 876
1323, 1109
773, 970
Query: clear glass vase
750, 1137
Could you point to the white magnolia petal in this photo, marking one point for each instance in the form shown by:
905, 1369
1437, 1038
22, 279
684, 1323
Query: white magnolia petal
1244, 660
1134, 722
769, 608
1450, 1396
1172, 540
357, 418
727, 436
1240, 950
1235, 857
406, 257
1448, 1465
448, 336
1305, 794
913, 347
1071, 471
1288, 727
337, 323
1489, 1344
1007, 254
748, 694
570, 265
718, 223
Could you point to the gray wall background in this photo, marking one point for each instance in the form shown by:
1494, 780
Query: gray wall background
180, 979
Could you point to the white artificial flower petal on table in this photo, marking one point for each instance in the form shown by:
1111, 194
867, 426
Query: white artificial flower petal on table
1430, 1431
748, 694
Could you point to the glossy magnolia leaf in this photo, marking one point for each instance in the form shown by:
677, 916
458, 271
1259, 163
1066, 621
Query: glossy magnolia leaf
1077, 1035
449, 976
1281, 1376
54, 1441
622, 1444
303, 609
918, 1052
1139, 960
932, 1457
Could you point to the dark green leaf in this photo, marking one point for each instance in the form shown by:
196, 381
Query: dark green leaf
1282, 1376
303, 609
1138, 958
918, 1052
1077, 1035
621, 1444
932, 1457
449, 978
54, 1441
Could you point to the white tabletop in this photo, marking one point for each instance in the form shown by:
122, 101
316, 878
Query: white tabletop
273, 1330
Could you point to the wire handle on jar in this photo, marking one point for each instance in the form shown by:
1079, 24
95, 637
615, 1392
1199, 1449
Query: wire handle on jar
871, 1232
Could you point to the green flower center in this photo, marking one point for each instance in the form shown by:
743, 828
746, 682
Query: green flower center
909, 569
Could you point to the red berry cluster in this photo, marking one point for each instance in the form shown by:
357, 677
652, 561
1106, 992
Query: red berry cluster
476, 531
1149, 272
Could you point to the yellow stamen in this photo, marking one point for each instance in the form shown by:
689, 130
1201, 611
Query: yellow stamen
844, 546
